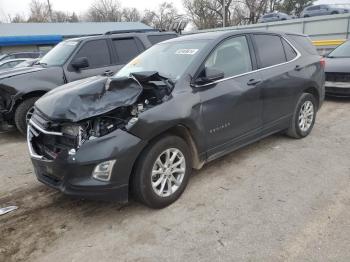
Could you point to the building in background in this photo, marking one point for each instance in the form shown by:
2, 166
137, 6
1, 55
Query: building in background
25, 37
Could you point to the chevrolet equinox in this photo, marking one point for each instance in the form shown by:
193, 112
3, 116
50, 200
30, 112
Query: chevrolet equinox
175, 107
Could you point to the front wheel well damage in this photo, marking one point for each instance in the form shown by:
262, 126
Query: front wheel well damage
182, 132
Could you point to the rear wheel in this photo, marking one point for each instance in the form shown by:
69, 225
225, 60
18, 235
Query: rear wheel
162, 172
304, 116
23, 114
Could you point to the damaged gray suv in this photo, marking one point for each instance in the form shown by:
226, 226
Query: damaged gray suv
175, 107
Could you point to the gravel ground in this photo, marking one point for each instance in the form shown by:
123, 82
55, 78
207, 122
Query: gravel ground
277, 200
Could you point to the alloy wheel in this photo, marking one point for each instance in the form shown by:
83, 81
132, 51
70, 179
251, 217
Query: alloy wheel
306, 116
168, 172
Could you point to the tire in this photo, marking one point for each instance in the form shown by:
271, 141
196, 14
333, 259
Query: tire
21, 114
306, 16
302, 122
144, 190
334, 13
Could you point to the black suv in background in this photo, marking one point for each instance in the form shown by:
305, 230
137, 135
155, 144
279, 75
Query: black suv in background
70, 60
178, 105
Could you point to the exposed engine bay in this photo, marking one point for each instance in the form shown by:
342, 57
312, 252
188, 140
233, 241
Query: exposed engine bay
96, 108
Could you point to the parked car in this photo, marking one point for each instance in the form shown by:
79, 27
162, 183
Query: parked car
27, 63
338, 71
69, 61
8, 64
275, 16
317, 10
146, 127
4, 57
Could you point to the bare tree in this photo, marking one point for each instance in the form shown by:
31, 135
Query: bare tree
18, 19
39, 12
209, 13
105, 11
131, 15
203, 13
162, 18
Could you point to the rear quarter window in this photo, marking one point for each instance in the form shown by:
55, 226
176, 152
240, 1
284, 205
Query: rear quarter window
290, 52
303, 42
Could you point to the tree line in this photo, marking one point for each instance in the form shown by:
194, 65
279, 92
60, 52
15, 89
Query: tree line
202, 14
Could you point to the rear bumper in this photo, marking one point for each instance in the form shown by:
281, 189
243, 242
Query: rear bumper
338, 89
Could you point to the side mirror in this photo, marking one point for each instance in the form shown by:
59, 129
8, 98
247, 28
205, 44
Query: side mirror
209, 75
80, 63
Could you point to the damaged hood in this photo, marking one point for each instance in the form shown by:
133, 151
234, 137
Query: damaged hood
93, 96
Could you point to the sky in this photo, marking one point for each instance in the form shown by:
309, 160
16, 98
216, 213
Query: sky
14, 7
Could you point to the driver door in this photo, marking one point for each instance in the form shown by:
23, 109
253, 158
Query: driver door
232, 106
99, 57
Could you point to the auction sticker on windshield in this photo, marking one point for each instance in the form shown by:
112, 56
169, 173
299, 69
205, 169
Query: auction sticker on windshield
186, 51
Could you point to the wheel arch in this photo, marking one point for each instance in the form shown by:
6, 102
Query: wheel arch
26, 96
313, 91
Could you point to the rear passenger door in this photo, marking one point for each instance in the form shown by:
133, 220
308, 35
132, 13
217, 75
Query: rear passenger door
281, 79
99, 56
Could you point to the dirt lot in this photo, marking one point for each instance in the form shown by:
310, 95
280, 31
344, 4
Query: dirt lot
276, 200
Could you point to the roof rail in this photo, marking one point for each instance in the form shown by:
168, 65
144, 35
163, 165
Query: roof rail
131, 31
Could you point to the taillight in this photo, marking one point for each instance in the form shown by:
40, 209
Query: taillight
322, 62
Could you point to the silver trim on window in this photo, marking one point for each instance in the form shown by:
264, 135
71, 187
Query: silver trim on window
257, 70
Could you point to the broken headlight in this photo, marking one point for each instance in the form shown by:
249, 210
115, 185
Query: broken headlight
71, 130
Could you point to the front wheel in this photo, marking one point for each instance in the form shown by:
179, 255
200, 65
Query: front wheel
23, 114
304, 116
162, 172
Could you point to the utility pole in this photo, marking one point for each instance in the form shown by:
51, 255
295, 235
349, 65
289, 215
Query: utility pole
50, 10
223, 13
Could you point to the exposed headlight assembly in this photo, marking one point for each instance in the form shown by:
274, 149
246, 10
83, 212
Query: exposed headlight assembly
71, 130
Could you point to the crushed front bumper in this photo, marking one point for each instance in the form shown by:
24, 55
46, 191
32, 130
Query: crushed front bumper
72, 174
340, 89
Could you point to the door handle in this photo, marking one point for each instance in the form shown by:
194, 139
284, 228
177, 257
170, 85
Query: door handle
108, 73
253, 82
298, 68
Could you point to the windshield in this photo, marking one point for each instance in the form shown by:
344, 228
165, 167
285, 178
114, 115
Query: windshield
341, 51
169, 59
58, 55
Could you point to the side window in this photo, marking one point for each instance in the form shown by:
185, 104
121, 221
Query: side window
231, 56
126, 48
270, 50
155, 39
96, 52
290, 52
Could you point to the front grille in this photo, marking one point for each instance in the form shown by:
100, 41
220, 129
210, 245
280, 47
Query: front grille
51, 147
47, 143
338, 77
